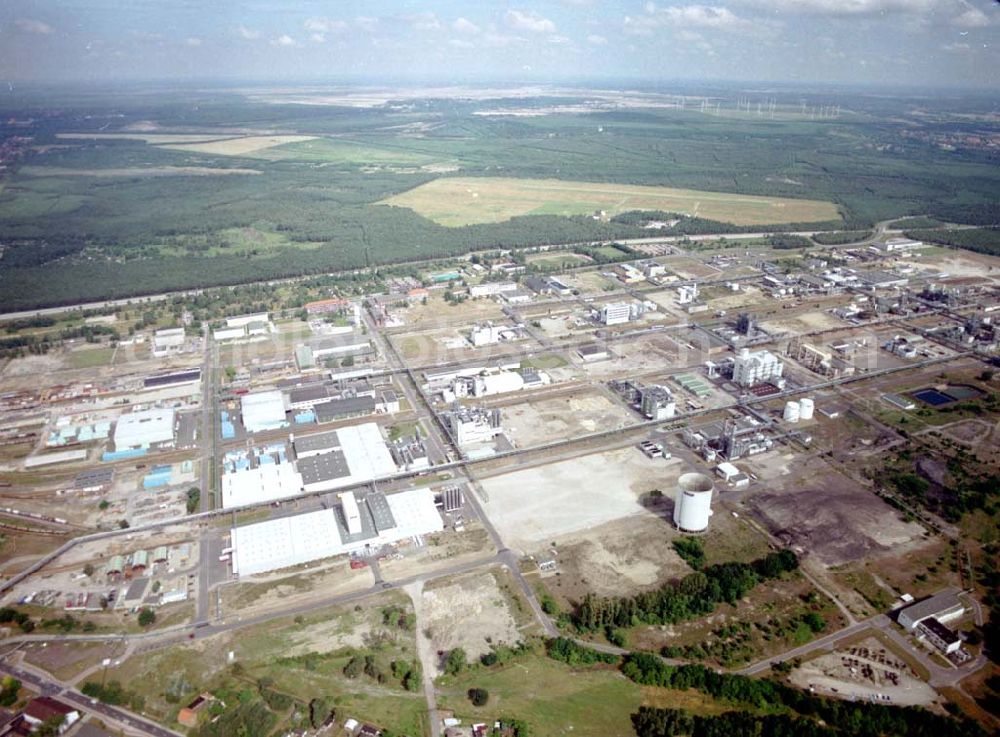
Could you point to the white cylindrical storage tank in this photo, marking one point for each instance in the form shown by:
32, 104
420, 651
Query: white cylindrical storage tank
792, 411
693, 503
806, 408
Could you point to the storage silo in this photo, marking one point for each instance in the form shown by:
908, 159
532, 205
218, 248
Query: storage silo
806, 407
693, 503
792, 411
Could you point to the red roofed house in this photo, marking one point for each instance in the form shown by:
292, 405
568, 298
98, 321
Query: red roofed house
418, 293
44, 708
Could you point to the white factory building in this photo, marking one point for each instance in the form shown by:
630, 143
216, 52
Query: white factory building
265, 483
144, 429
242, 326
349, 455
490, 289
356, 524
616, 313
488, 384
752, 368
687, 294
168, 340
470, 425
657, 402
264, 411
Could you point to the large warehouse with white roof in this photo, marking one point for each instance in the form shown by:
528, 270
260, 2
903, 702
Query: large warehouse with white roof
262, 484
144, 429
264, 411
302, 538
349, 455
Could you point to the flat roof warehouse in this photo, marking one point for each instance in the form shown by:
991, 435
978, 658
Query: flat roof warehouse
303, 538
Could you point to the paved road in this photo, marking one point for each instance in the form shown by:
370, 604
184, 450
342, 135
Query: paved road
48, 686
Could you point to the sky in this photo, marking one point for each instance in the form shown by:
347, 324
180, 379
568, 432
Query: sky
953, 43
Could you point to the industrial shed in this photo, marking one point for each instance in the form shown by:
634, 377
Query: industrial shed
262, 484
358, 455
264, 411
144, 429
290, 541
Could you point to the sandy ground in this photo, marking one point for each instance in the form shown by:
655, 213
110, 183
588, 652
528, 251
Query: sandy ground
443, 549
615, 559
249, 596
238, 146
471, 613
536, 506
802, 323
534, 423
863, 671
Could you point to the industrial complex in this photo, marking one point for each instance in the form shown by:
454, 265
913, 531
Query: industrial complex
467, 458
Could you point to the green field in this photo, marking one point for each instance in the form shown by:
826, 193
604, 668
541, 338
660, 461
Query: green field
457, 201
555, 699
90, 357
303, 658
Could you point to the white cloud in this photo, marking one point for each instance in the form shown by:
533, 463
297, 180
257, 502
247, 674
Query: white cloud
424, 21
193, 41
597, 40
366, 23
845, 7
529, 21
284, 40
655, 18
247, 33
558, 40
324, 25
689, 36
38, 27
461, 43
500, 40
971, 18
956, 48
462, 25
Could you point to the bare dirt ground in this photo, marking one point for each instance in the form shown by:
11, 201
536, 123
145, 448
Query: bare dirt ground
66, 659
439, 314
441, 549
614, 559
804, 322
863, 671
830, 516
535, 506
470, 613
533, 423
254, 596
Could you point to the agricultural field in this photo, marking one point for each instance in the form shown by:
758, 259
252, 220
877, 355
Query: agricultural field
457, 201
246, 146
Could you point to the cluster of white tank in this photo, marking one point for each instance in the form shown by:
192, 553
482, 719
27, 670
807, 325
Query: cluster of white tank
798, 410
693, 503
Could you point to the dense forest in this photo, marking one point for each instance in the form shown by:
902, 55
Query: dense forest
73, 229
982, 240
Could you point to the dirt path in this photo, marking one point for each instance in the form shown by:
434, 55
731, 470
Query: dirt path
425, 651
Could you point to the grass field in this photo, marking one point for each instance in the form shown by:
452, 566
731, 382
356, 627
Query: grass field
457, 201
90, 358
325, 150
582, 703
237, 146
303, 657
152, 138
